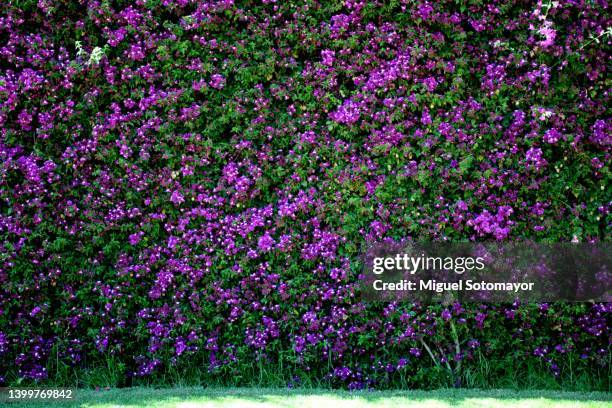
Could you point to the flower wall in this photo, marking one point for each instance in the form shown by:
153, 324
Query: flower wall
188, 185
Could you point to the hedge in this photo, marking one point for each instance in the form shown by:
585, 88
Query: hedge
186, 186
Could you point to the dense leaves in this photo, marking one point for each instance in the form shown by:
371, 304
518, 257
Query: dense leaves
189, 182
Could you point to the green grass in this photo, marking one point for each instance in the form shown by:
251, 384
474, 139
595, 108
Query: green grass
287, 398
480, 373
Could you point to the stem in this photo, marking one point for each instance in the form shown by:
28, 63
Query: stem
430, 353
447, 363
457, 346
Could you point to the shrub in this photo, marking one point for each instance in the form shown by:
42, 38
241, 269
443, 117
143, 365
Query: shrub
186, 186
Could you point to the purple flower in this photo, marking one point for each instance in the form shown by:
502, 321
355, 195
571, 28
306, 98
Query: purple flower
328, 57
548, 33
135, 238
415, 352
179, 346
265, 243
430, 83
401, 363
348, 113
552, 136
535, 159
217, 81
177, 198
35, 311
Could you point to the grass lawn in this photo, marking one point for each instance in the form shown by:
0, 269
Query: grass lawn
287, 398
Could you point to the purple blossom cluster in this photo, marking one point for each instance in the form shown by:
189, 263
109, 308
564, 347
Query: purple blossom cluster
194, 181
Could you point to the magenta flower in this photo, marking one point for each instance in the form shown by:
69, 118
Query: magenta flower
328, 57
217, 81
177, 198
548, 33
